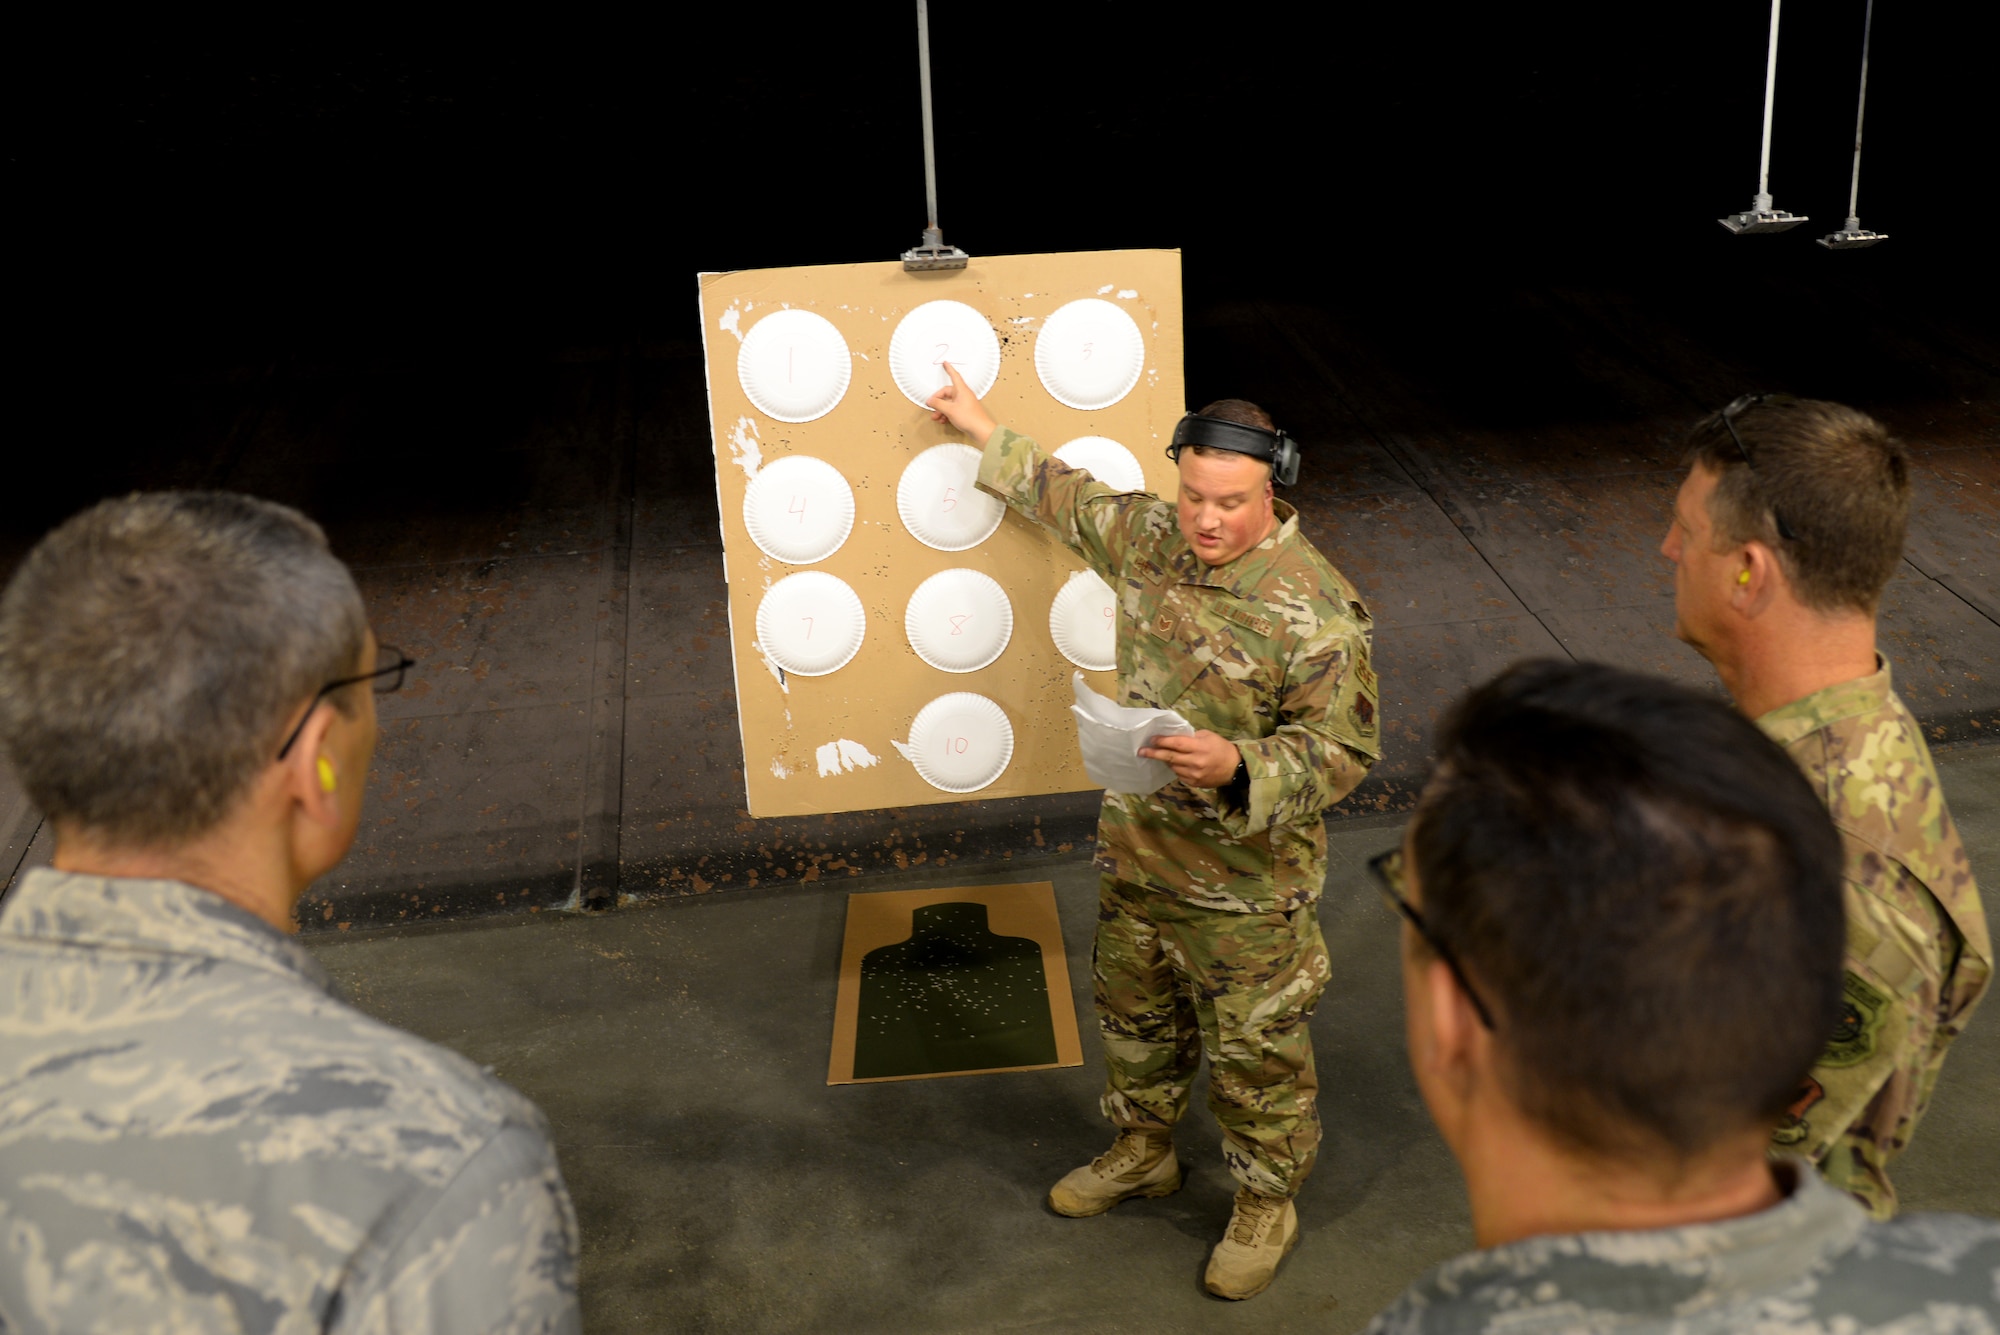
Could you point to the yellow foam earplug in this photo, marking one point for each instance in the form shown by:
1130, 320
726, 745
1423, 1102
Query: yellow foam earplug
1742, 577
326, 779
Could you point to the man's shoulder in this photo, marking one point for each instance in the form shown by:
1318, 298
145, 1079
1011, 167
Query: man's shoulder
1309, 593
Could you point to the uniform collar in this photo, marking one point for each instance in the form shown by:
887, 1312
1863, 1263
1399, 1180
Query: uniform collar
1843, 700
112, 913
1246, 573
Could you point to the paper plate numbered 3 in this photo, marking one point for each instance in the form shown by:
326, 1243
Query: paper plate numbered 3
1089, 354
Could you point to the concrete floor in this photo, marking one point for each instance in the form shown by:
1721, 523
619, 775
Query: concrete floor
681, 1050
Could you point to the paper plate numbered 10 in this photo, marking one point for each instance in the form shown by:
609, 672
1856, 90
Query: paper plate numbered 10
961, 742
939, 503
1083, 621
798, 509
1106, 460
811, 623
959, 620
1089, 354
938, 332
794, 365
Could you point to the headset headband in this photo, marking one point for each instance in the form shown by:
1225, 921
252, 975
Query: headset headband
1273, 447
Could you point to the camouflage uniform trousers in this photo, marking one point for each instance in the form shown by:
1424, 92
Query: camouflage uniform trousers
1176, 981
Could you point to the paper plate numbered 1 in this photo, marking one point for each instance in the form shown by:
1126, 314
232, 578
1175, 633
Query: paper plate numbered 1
1089, 354
939, 503
1083, 621
794, 365
938, 332
798, 509
811, 623
960, 742
1106, 460
959, 620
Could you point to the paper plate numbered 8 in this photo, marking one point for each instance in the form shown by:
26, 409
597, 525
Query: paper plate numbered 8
959, 620
1106, 460
939, 503
938, 332
798, 509
1083, 621
1089, 354
961, 742
811, 623
794, 365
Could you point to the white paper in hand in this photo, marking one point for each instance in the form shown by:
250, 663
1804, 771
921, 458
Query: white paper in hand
1110, 735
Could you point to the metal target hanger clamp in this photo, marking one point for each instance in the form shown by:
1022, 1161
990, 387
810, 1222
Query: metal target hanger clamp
1273, 447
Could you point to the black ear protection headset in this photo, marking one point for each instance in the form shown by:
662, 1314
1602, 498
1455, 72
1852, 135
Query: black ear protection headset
1273, 447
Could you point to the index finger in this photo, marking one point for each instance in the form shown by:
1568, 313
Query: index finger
957, 380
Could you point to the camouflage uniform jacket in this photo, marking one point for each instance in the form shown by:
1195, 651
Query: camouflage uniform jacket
1918, 954
1269, 651
1812, 1263
196, 1135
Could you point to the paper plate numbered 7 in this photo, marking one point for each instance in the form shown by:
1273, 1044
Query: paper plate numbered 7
798, 509
959, 620
811, 623
794, 365
938, 332
1083, 621
961, 742
1106, 460
939, 503
1089, 354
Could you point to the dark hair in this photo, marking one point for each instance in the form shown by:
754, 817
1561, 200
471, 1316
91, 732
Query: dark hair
1647, 890
1836, 476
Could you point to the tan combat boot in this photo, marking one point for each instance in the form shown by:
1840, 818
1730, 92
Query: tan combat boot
1261, 1231
1139, 1163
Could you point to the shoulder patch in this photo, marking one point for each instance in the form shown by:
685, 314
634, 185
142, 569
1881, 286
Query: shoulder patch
1246, 618
1863, 1009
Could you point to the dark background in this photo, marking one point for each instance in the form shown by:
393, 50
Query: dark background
207, 191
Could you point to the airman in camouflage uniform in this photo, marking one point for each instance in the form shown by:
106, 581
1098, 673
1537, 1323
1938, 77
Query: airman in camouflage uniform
1208, 940
197, 1135
1918, 953
1811, 1265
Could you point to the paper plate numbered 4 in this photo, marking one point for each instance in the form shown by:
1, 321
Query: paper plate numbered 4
811, 623
960, 742
794, 365
798, 509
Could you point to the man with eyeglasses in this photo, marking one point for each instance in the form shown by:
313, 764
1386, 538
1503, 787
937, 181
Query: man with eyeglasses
1785, 532
1623, 951
195, 1133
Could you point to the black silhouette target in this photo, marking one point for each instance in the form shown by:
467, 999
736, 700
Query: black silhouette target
953, 997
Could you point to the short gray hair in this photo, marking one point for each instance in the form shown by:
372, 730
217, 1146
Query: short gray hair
153, 649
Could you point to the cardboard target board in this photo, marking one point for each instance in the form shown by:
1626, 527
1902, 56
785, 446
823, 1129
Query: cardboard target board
898, 636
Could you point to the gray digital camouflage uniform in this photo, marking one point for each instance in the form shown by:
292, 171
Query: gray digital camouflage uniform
1208, 941
1814, 1264
196, 1135
1919, 956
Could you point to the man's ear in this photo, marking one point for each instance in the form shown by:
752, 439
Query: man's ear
1759, 577
1453, 1025
310, 776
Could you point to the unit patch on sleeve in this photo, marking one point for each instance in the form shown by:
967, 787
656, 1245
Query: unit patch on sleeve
1863, 1009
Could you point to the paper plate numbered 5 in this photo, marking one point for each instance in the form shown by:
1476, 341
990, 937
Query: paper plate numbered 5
939, 502
1083, 621
794, 365
959, 620
1089, 354
960, 742
938, 332
798, 509
811, 623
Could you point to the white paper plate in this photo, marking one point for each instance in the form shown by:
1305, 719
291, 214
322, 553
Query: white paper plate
959, 620
1106, 460
961, 742
939, 503
1089, 354
798, 509
811, 623
937, 332
794, 365
1083, 621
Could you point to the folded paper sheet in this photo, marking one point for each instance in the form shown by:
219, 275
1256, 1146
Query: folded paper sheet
1110, 736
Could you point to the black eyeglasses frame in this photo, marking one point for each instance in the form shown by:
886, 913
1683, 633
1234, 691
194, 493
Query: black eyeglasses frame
1728, 416
392, 674
1379, 867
